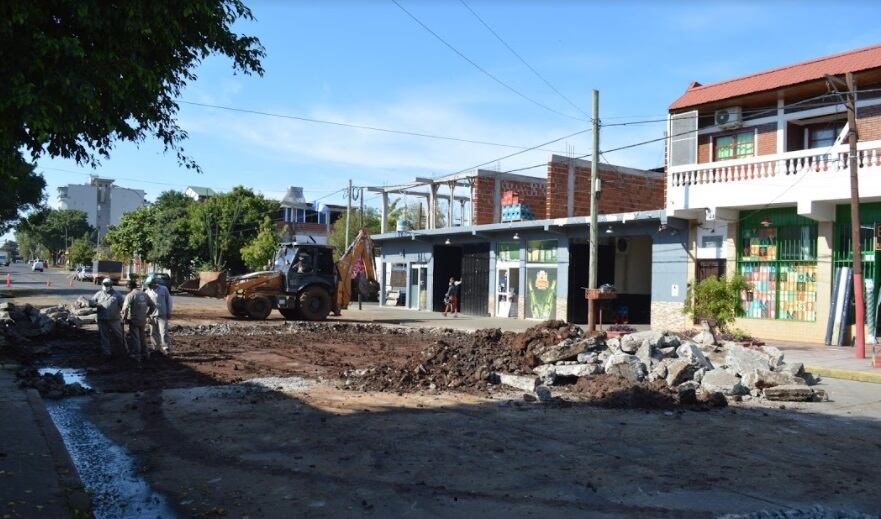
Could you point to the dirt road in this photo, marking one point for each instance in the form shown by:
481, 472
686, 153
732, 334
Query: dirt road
254, 421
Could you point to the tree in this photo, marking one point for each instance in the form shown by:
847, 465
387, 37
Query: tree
260, 251
82, 251
84, 74
337, 236
221, 225
11, 247
22, 188
133, 236
716, 298
52, 230
81, 75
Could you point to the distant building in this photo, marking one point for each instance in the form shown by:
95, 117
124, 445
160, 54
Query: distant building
303, 221
103, 202
199, 193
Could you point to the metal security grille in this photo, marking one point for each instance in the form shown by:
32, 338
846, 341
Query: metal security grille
777, 254
475, 280
842, 252
683, 138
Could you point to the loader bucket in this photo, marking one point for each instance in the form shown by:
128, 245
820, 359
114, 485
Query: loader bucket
209, 284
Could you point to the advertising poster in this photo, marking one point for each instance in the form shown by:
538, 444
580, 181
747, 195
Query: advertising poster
541, 293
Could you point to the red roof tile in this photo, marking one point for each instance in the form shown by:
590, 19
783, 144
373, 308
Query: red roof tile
850, 61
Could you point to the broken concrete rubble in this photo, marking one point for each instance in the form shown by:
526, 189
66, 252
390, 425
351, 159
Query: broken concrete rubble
627, 366
631, 342
526, 383
794, 393
690, 352
742, 360
569, 349
679, 371
762, 379
725, 382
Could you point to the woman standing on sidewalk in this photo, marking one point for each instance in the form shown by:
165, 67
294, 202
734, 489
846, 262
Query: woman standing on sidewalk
451, 300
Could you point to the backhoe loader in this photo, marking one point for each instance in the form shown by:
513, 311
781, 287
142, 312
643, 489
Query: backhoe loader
304, 282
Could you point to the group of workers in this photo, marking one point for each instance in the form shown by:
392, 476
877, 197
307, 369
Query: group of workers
148, 304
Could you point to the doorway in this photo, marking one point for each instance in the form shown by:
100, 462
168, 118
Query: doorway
579, 260
508, 291
418, 287
447, 264
475, 279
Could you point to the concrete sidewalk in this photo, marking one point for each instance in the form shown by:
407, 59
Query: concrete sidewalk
37, 477
832, 361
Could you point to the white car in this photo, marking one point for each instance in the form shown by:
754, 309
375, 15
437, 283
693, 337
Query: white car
84, 274
37, 266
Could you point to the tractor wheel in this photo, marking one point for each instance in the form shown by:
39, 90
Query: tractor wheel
258, 307
315, 303
236, 307
290, 314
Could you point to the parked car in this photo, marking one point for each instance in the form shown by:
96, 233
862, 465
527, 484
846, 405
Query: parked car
38, 266
84, 273
161, 279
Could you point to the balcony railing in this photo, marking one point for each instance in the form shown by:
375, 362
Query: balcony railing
820, 160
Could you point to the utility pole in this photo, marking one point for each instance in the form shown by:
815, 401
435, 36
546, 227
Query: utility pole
348, 213
858, 287
360, 226
594, 166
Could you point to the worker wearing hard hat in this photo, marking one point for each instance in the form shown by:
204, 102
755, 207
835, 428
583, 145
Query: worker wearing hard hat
109, 304
136, 308
159, 318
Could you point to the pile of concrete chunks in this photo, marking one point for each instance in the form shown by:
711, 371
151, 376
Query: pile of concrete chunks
700, 363
19, 323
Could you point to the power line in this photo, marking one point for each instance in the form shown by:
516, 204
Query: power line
521, 152
518, 56
481, 69
353, 125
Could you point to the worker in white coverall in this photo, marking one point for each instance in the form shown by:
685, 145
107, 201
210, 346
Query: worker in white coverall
159, 318
136, 308
109, 305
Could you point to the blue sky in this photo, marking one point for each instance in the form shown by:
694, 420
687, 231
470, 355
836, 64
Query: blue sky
368, 63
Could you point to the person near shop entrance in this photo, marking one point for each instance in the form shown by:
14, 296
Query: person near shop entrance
159, 318
451, 300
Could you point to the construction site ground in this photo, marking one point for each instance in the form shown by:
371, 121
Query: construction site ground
256, 421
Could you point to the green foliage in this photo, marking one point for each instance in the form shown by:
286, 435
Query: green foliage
84, 74
262, 248
11, 247
716, 298
22, 188
171, 240
133, 236
52, 230
81, 252
221, 225
337, 236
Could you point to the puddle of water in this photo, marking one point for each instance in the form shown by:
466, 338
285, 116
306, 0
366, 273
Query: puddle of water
106, 468
70, 375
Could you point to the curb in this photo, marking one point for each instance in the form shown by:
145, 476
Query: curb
77, 499
846, 374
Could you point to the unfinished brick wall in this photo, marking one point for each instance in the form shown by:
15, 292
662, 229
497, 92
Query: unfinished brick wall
533, 194
483, 199
869, 123
766, 139
620, 192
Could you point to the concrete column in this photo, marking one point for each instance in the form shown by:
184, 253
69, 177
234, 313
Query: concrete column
450, 204
462, 211
432, 207
383, 214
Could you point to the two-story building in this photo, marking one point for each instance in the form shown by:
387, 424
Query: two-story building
306, 222
758, 166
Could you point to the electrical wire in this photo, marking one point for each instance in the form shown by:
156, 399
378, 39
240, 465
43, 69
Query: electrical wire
355, 126
478, 67
519, 57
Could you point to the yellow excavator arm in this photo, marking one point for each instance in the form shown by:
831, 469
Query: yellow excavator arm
360, 249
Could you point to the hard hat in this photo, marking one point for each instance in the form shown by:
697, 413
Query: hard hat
107, 281
150, 280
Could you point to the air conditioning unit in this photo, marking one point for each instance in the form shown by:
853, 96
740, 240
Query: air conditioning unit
622, 245
729, 117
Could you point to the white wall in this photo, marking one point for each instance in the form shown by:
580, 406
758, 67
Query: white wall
633, 271
82, 198
123, 200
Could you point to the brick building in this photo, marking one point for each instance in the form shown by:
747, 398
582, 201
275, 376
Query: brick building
758, 166
519, 244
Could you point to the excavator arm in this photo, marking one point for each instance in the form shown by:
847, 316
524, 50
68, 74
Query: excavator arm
360, 249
